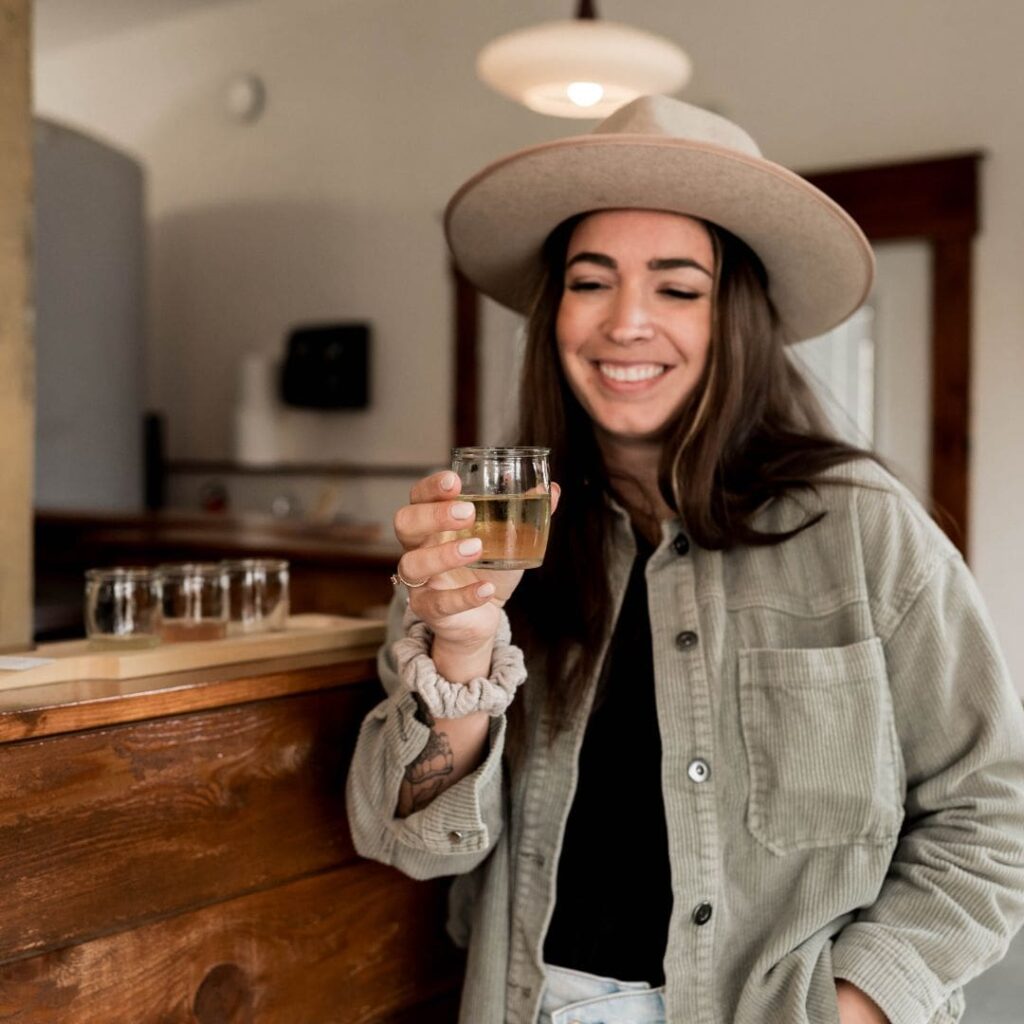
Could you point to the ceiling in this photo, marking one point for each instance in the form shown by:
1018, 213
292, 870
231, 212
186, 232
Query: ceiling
60, 23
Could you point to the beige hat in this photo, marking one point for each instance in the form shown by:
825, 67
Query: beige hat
662, 154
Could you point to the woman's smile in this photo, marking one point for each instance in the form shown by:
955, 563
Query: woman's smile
619, 374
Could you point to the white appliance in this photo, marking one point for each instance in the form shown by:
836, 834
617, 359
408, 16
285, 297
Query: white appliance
89, 261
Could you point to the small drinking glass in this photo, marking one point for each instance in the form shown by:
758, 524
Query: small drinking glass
123, 608
257, 594
511, 491
195, 602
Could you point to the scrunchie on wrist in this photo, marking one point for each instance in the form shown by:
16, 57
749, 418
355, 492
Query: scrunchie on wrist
445, 699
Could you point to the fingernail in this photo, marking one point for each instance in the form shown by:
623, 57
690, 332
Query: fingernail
485, 590
462, 510
471, 546
447, 481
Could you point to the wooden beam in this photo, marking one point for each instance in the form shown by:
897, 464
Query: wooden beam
951, 386
466, 395
933, 199
17, 365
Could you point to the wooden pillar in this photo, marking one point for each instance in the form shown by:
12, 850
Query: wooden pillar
17, 362
467, 385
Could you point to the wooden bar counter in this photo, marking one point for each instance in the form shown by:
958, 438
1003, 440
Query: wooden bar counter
174, 848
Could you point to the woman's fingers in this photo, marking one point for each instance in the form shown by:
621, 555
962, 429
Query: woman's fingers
436, 487
436, 559
436, 605
416, 524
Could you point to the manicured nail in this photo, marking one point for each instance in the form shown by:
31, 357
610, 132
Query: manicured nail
485, 590
462, 510
471, 546
447, 481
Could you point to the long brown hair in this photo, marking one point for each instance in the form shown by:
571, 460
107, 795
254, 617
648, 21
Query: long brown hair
750, 431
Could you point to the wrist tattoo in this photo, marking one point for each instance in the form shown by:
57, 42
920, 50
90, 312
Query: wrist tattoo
425, 776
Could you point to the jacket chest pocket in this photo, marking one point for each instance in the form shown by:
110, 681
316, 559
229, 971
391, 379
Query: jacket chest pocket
821, 745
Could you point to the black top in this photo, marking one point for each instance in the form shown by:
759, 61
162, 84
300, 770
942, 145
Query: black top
614, 894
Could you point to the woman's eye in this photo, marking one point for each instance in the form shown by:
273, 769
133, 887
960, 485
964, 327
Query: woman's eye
679, 293
584, 286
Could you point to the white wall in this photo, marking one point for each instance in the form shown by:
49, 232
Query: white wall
329, 205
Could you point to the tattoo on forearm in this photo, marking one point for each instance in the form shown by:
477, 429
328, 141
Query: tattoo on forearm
425, 776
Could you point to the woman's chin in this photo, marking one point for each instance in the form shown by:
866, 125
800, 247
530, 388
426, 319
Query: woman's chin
634, 434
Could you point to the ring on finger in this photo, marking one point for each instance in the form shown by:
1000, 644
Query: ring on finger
397, 578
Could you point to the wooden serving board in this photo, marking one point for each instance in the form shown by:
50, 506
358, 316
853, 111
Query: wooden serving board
75, 660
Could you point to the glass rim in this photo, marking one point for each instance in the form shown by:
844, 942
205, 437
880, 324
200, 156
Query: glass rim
498, 452
123, 572
267, 564
204, 570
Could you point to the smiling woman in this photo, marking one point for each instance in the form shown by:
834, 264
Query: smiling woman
748, 694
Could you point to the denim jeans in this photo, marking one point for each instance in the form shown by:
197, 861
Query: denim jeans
574, 997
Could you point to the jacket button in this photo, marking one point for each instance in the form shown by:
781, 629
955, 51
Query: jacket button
455, 837
699, 770
681, 544
702, 913
686, 639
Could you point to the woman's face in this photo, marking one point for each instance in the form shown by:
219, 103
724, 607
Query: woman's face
634, 321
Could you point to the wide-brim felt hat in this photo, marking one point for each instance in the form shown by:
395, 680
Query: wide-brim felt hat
659, 153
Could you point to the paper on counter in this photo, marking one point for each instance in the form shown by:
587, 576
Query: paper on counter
16, 664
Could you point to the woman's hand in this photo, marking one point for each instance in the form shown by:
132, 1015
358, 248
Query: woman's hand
855, 1007
460, 604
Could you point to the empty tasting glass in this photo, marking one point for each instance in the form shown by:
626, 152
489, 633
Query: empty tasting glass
122, 608
195, 602
257, 594
510, 489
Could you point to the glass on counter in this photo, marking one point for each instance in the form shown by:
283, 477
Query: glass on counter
195, 601
257, 594
123, 608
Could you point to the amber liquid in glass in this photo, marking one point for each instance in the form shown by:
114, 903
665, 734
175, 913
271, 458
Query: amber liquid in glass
177, 630
513, 528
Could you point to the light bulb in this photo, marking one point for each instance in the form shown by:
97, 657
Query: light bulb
585, 94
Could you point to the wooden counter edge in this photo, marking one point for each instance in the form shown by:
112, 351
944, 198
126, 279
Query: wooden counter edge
38, 711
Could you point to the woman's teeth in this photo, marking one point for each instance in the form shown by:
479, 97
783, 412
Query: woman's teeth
644, 371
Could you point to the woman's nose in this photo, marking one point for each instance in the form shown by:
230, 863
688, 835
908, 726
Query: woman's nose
629, 319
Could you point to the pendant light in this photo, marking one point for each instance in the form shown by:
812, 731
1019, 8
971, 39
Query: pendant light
583, 67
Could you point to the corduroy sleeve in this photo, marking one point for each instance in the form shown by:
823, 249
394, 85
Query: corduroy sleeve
458, 829
954, 894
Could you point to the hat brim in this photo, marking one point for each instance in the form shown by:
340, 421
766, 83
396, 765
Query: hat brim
820, 266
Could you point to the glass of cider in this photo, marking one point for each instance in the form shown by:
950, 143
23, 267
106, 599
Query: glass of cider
195, 600
511, 491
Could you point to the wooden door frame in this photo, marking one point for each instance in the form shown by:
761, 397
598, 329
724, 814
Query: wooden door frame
935, 201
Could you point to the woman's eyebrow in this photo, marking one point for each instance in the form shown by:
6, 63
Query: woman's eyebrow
593, 257
672, 264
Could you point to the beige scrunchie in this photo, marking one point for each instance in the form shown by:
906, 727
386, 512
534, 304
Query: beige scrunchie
445, 699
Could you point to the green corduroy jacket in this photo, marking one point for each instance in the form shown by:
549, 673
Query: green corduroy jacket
863, 816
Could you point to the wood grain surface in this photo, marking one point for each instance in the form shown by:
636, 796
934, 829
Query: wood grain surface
110, 828
66, 707
351, 946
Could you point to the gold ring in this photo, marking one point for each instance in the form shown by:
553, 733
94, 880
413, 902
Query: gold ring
397, 578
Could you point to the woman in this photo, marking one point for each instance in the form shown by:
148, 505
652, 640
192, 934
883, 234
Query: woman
767, 764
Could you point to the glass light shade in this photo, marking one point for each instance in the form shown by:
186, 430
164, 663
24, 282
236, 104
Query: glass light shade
536, 66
